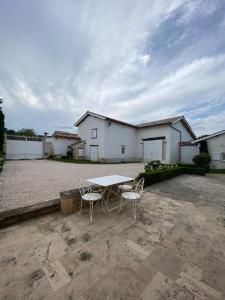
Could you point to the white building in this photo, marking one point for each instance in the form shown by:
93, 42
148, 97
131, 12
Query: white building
216, 148
60, 140
107, 139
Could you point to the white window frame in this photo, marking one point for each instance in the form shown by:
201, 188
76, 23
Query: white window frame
94, 133
223, 156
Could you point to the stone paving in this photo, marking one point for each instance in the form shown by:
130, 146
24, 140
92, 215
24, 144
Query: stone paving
28, 182
175, 249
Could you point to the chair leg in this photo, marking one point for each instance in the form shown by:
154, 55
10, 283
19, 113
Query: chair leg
121, 202
135, 208
91, 211
81, 205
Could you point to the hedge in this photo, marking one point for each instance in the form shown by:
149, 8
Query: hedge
152, 177
157, 176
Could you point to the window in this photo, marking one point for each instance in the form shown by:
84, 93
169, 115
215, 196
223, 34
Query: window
223, 155
94, 133
216, 156
122, 149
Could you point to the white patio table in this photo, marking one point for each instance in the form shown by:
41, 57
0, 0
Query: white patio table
108, 182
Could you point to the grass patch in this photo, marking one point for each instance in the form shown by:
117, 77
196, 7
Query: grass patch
85, 161
217, 171
75, 161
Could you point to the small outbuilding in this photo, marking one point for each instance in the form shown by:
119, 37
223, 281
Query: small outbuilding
216, 148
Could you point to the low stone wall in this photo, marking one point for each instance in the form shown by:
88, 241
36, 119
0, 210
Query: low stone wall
68, 203
12, 216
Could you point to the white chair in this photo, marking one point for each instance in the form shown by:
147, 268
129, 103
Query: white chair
90, 194
126, 187
133, 195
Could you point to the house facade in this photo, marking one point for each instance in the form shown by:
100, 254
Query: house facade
216, 148
58, 143
107, 139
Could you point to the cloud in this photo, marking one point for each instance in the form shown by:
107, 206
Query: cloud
144, 59
132, 60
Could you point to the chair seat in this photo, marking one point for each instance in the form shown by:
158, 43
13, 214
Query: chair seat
131, 195
91, 196
125, 187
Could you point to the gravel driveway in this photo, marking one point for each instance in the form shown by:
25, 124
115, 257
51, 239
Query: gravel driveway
33, 181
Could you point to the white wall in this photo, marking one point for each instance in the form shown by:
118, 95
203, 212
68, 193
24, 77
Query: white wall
117, 135
216, 146
60, 145
84, 131
175, 140
152, 132
188, 152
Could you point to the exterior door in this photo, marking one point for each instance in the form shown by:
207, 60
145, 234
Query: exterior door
153, 150
94, 153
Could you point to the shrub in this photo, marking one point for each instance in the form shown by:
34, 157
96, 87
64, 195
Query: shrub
155, 176
202, 160
195, 170
69, 154
152, 177
154, 165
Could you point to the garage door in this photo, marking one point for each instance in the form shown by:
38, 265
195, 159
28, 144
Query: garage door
20, 147
153, 150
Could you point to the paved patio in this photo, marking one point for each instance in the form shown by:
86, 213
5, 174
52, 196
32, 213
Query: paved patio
175, 250
34, 181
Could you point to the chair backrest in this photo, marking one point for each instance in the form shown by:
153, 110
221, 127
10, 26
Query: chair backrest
139, 186
83, 189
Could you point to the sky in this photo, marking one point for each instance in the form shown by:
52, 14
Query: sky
136, 61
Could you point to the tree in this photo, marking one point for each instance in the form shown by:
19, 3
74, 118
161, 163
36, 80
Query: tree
11, 131
2, 128
203, 147
26, 132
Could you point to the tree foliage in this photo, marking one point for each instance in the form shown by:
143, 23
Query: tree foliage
202, 159
24, 131
203, 147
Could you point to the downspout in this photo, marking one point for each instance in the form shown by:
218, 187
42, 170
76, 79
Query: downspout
179, 142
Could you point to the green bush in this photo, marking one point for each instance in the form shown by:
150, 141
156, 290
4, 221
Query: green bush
195, 170
155, 176
202, 159
69, 154
152, 177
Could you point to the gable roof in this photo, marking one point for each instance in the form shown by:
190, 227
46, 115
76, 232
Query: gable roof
161, 122
207, 137
89, 113
66, 135
168, 121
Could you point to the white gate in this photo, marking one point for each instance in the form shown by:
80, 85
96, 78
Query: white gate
22, 147
153, 150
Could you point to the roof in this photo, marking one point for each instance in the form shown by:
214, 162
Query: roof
77, 144
66, 135
207, 137
161, 122
89, 113
168, 121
